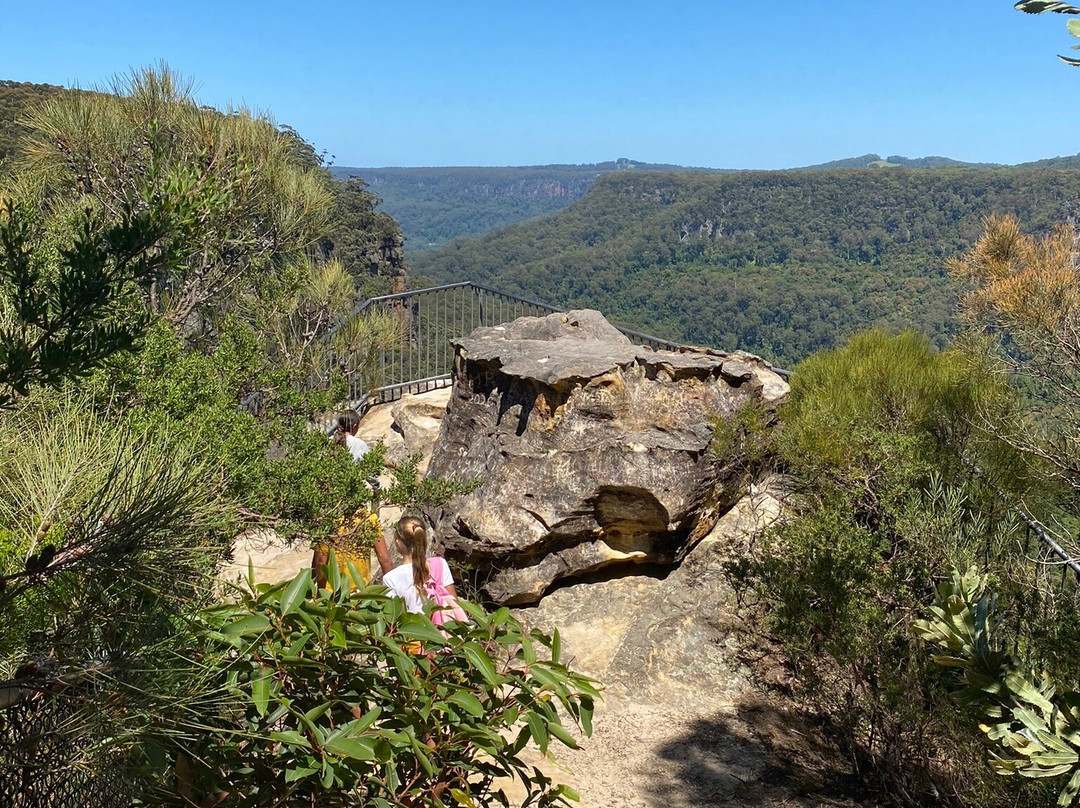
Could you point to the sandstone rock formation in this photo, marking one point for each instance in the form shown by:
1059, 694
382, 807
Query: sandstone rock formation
684, 722
592, 451
407, 427
646, 635
271, 558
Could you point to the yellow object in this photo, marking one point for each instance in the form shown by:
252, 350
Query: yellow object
352, 543
345, 557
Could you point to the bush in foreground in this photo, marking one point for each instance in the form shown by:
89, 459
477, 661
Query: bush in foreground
333, 697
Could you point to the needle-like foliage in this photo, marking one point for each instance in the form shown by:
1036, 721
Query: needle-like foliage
252, 201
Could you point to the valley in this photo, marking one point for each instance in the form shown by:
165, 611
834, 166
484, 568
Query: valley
778, 263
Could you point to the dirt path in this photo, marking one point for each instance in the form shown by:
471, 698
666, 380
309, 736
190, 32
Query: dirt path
682, 724
647, 755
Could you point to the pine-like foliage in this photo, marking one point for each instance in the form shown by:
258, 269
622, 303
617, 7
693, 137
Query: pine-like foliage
250, 199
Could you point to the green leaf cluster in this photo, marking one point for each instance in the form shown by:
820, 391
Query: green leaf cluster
61, 319
340, 697
1041, 6
270, 462
16, 97
1030, 728
244, 200
107, 542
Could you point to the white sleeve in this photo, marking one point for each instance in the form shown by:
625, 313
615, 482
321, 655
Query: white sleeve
391, 581
388, 582
357, 448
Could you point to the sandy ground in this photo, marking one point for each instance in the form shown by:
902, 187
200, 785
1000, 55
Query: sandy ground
668, 736
648, 755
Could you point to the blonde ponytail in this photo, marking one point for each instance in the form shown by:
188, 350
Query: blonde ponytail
412, 534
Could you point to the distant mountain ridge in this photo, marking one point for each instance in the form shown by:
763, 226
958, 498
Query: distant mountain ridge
1069, 162
436, 205
895, 161
779, 263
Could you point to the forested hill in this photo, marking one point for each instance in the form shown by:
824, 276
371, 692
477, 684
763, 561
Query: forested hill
367, 241
437, 205
16, 97
777, 263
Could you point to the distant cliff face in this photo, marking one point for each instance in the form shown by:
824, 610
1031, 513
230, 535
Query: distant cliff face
778, 263
437, 205
526, 187
385, 258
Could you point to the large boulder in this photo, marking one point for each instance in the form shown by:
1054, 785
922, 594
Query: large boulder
407, 427
664, 636
591, 451
267, 554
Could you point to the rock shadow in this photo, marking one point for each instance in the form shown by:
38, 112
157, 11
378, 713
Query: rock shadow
758, 754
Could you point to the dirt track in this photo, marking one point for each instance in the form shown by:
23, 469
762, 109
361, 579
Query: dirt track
684, 722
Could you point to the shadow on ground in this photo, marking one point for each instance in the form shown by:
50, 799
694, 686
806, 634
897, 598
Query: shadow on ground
759, 754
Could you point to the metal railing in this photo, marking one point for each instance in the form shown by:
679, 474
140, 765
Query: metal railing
43, 756
1050, 549
421, 357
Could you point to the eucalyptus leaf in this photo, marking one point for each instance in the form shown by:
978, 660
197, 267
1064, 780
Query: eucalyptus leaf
482, 662
295, 592
354, 748
468, 702
252, 625
260, 690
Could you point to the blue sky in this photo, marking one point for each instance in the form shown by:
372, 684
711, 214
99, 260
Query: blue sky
720, 84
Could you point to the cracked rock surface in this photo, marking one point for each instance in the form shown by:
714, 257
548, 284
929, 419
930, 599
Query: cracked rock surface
592, 451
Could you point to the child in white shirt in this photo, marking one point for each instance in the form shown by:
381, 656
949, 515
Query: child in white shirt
408, 578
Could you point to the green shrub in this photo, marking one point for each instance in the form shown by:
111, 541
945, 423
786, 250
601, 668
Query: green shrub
107, 544
892, 484
276, 468
336, 697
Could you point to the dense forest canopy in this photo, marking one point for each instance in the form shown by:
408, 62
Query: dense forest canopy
437, 205
777, 263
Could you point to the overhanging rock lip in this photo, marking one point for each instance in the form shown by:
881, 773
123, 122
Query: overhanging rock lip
509, 592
